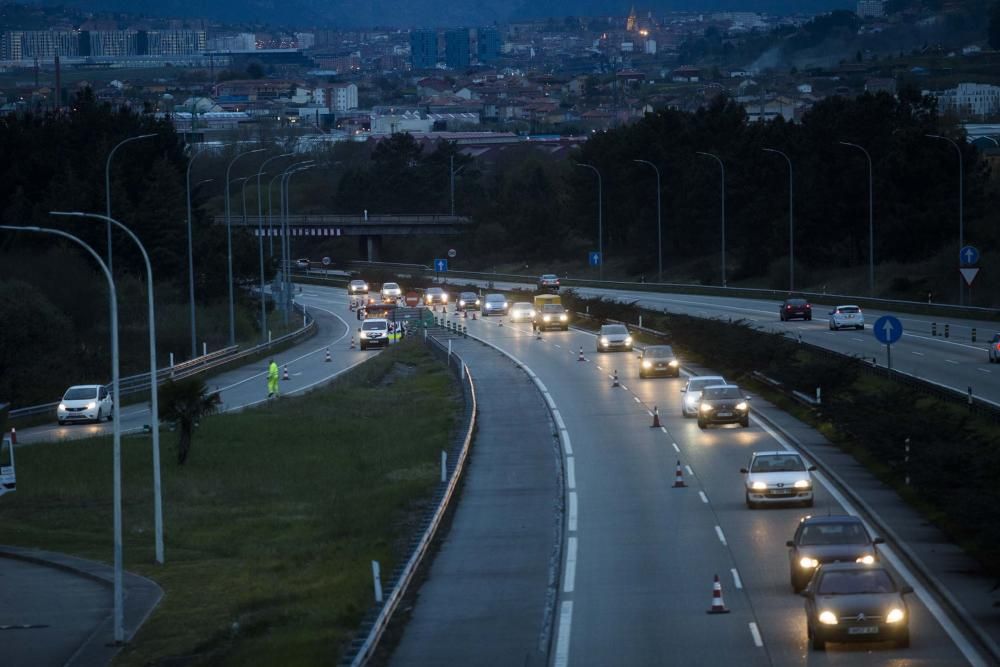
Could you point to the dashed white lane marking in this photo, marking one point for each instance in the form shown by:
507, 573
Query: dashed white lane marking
951, 361
676, 448
567, 445
690, 472
663, 428
757, 641
626, 389
569, 579
722, 538
736, 578
704, 498
919, 354
557, 345
862, 340
570, 473
560, 424
562, 644
573, 511
636, 399
600, 368
983, 370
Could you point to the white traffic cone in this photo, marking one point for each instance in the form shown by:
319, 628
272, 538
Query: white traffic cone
614, 379
679, 477
580, 356
284, 375
328, 354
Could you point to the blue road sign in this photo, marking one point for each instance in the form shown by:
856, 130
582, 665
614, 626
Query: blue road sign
440, 265
887, 329
968, 256
594, 259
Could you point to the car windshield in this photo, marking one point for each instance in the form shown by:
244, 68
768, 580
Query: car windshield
469, 296
549, 276
552, 308
855, 582
373, 326
849, 309
357, 282
721, 392
847, 532
658, 352
80, 393
777, 463
795, 302
614, 329
697, 384
522, 306
495, 297
434, 290
392, 286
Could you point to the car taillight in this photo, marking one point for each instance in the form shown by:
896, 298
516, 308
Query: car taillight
808, 306
788, 307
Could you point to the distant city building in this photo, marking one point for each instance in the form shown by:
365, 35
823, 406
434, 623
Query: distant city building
305, 40
392, 121
487, 44
41, 44
870, 8
456, 48
423, 49
970, 100
880, 85
171, 42
244, 41
338, 97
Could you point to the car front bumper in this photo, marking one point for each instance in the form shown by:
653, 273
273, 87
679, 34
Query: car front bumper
83, 416
772, 496
859, 631
665, 371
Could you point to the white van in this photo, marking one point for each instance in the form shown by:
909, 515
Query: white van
374, 332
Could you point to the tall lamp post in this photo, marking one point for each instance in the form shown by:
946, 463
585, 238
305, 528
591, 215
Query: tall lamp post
659, 226
190, 243
107, 187
153, 385
229, 247
286, 249
260, 241
722, 167
871, 218
453, 172
119, 598
791, 219
961, 211
600, 218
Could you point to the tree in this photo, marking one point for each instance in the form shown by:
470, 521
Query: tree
185, 402
993, 30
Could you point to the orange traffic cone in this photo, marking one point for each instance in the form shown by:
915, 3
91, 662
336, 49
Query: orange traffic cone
679, 477
580, 356
328, 355
352, 342
718, 606
284, 375
614, 379
656, 418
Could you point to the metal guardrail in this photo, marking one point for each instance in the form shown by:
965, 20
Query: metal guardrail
363, 647
135, 384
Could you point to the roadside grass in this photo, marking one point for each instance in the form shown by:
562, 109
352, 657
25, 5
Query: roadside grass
272, 524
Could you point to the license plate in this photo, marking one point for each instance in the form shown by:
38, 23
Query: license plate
863, 630
725, 414
782, 492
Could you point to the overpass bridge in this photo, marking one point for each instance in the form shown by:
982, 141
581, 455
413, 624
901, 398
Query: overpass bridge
368, 229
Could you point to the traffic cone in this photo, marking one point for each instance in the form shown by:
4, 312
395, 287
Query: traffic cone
473, 314
284, 375
656, 417
614, 379
580, 356
718, 606
465, 314
328, 354
13, 436
538, 335
352, 342
500, 323
679, 477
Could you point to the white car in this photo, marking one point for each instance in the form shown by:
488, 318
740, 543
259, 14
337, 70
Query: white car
391, 292
847, 316
613, 337
522, 311
495, 304
85, 403
357, 287
778, 477
692, 392
302, 263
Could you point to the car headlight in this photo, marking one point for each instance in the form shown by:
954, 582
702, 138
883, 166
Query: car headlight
895, 615
461, 302
705, 407
674, 363
807, 563
62, 406
628, 340
802, 484
427, 298
444, 298
365, 286
867, 559
477, 302
827, 617
759, 486
604, 341
647, 364
91, 405
546, 318
564, 317
742, 405
504, 304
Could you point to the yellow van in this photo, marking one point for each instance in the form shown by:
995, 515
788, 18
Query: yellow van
542, 299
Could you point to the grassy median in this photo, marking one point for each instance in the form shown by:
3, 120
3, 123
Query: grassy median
272, 524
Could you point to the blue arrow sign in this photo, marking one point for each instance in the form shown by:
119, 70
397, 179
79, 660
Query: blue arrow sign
594, 259
440, 265
969, 255
887, 329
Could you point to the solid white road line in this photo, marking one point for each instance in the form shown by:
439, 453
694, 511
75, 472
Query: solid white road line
567, 445
704, 498
736, 578
757, 641
569, 577
573, 511
570, 473
562, 642
560, 424
722, 538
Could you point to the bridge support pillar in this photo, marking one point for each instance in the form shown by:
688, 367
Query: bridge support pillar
371, 247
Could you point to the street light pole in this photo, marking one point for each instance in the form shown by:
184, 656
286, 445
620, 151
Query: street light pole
270, 216
600, 219
119, 597
659, 227
722, 167
871, 219
285, 241
791, 219
190, 243
107, 187
260, 241
961, 212
229, 247
153, 377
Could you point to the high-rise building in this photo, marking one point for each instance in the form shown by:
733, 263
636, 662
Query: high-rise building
423, 49
42, 44
456, 48
870, 8
487, 44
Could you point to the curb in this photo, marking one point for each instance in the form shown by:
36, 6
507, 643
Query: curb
951, 604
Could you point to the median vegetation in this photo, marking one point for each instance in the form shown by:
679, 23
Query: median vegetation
271, 524
954, 454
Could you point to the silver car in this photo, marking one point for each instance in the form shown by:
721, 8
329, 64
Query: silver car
614, 337
778, 477
391, 292
357, 287
692, 392
495, 304
522, 311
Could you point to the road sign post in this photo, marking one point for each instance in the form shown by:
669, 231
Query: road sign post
440, 266
888, 330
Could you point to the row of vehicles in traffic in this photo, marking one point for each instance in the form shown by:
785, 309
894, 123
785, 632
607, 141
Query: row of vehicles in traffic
841, 317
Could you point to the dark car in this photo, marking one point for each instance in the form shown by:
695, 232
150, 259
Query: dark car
848, 602
435, 295
548, 282
551, 316
723, 404
828, 539
795, 307
659, 360
467, 301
